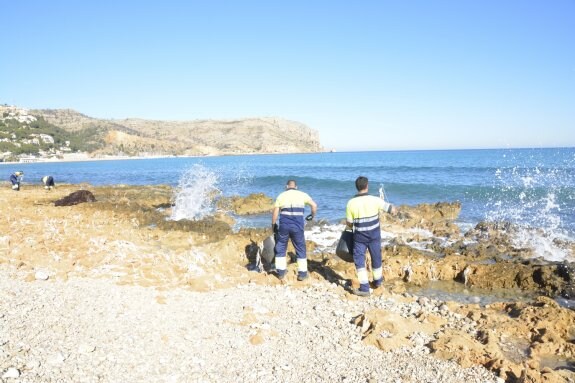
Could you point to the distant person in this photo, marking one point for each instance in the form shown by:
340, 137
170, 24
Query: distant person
48, 182
362, 215
289, 207
16, 179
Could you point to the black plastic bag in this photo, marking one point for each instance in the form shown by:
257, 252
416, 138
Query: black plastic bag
268, 249
344, 248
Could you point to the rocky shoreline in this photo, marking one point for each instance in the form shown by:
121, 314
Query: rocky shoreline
112, 291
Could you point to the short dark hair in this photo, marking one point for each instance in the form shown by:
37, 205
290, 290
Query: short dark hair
291, 183
361, 183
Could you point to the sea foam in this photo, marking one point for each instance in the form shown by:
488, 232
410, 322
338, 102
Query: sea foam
195, 194
529, 198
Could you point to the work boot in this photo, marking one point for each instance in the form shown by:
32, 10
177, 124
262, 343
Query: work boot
360, 293
281, 274
302, 276
363, 290
377, 283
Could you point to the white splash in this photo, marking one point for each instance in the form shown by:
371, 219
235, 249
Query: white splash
534, 200
194, 197
325, 237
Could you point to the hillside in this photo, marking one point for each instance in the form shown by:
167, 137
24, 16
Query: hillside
199, 137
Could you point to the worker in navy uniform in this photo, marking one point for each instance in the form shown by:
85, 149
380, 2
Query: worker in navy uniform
48, 182
289, 207
16, 179
362, 215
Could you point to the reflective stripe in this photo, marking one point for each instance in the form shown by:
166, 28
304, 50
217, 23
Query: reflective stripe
281, 263
362, 276
301, 264
292, 213
377, 273
368, 228
366, 219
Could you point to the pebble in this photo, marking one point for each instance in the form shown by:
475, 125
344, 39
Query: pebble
11, 373
86, 328
56, 359
41, 276
475, 299
86, 348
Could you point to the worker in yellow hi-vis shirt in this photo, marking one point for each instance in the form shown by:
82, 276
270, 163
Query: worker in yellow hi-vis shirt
289, 208
362, 215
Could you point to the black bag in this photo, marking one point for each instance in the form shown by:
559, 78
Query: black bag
268, 249
344, 248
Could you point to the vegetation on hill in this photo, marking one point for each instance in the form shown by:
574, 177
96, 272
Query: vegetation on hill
16, 132
71, 131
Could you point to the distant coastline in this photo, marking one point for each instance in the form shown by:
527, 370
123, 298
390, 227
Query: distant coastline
120, 158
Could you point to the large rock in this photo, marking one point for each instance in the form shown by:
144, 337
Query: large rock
257, 203
439, 218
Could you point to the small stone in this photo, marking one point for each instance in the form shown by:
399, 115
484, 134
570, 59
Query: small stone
423, 301
32, 364
56, 359
86, 348
11, 373
41, 276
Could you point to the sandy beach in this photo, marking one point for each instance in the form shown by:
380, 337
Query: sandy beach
110, 291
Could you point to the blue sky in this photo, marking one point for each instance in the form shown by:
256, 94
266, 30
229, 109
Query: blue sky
368, 75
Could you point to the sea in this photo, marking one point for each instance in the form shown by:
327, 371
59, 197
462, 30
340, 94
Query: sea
531, 188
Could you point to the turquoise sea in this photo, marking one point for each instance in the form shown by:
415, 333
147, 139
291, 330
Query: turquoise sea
533, 188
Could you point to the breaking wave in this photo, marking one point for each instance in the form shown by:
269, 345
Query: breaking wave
539, 201
195, 194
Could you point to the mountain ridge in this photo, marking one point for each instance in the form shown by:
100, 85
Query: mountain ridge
137, 136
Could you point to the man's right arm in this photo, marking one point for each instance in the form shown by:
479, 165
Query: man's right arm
348, 217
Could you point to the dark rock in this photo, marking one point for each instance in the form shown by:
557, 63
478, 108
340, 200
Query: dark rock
566, 271
75, 198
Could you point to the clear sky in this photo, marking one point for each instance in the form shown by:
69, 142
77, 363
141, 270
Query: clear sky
368, 75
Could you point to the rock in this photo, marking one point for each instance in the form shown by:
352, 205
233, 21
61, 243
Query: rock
256, 203
438, 218
56, 359
11, 373
32, 364
86, 348
41, 276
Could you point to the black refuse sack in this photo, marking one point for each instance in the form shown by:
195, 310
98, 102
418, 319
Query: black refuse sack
344, 248
268, 249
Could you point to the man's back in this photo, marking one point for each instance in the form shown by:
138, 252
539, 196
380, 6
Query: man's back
363, 212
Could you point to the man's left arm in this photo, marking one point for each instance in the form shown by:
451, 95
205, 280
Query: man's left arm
313, 206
